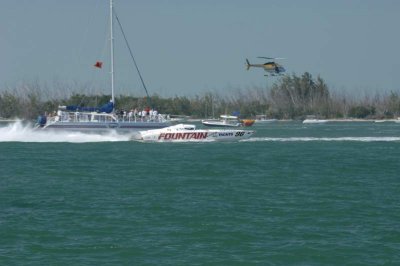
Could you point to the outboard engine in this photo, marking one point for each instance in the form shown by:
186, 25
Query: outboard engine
41, 120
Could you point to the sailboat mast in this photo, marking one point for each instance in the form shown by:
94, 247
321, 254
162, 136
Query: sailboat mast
112, 50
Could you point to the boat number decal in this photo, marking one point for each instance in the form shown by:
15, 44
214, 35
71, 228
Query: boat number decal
239, 134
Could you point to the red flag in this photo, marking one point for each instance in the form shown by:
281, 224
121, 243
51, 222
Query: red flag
98, 64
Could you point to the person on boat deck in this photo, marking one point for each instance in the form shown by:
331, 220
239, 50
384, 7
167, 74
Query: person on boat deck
155, 114
130, 114
142, 114
147, 110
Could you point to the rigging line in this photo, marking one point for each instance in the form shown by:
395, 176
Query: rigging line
133, 59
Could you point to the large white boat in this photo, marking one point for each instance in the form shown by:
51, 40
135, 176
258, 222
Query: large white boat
104, 118
224, 121
100, 121
189, 133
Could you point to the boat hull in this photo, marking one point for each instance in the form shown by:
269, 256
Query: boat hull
102, 127
179, 134
315, 121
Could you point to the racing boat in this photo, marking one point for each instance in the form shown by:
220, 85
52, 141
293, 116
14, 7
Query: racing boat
189, 133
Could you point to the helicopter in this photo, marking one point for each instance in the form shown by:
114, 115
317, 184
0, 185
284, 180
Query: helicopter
272, 68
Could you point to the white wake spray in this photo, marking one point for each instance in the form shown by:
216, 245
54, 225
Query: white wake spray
19, 132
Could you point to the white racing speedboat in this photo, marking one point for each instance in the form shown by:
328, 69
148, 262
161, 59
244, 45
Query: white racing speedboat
189, 133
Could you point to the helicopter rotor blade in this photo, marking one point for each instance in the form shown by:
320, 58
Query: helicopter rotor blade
271, 58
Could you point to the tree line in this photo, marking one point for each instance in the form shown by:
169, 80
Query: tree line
291, 97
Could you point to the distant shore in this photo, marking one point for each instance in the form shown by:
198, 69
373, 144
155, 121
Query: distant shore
198, 120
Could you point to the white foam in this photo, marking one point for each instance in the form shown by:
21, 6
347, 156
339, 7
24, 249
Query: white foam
338, 139
20, 132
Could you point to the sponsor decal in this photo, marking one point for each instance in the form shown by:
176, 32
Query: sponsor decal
186, 135
225, 134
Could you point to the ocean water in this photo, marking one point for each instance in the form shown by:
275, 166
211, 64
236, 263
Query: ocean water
293, 194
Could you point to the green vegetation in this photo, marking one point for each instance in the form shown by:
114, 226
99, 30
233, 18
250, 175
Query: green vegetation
292, 97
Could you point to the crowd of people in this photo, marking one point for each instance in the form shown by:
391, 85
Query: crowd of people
147, 114
135, 114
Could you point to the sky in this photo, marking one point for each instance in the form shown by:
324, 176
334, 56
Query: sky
188, 47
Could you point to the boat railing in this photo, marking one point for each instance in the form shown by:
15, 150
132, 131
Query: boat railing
94, 117
71, 117
148, 118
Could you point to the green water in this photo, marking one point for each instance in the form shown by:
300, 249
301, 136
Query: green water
292, 195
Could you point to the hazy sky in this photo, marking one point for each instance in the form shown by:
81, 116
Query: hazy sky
186, 47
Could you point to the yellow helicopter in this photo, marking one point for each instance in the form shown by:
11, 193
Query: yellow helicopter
271, 67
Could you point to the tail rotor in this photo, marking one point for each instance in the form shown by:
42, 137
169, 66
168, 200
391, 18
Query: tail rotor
248, 65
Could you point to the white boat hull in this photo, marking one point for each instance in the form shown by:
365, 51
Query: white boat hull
224, 121
265, 121
188, 133
220, 124
315, 121
104, 126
